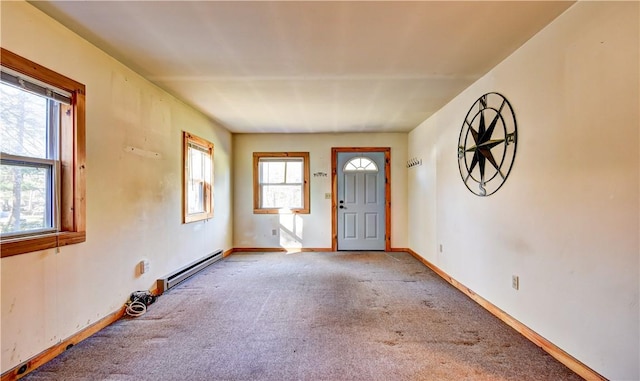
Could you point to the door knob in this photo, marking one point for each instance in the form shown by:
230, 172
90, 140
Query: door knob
342, 207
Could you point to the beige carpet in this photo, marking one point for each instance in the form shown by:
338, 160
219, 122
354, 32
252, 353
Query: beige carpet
309, 316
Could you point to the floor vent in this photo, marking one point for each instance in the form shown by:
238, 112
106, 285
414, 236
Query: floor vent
163, 284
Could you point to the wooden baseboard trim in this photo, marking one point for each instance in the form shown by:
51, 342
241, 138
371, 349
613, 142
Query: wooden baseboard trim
49, 354
278, 249
569, 361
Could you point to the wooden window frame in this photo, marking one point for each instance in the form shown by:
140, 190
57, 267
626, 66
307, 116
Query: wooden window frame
188, 138
256, 182
72, 197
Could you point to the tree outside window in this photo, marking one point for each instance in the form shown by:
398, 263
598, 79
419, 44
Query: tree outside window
27, 187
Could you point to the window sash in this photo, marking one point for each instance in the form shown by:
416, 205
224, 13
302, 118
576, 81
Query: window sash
50, 163
294, 195
198, 178
51, 210
265, 186
285, 175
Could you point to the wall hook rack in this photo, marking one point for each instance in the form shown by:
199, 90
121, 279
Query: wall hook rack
414, 162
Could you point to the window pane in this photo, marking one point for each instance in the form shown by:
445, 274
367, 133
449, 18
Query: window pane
24, 199
23, 117
272, 172
360, 164
198, 177
195, 164
196, 197
281, 196
294, 172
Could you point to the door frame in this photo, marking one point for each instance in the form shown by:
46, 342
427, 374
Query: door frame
334, 192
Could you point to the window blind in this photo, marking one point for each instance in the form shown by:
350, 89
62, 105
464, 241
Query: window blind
31, 85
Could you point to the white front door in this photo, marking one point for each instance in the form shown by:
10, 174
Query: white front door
361, 200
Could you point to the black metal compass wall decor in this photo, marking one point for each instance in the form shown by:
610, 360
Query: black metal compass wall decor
487, 144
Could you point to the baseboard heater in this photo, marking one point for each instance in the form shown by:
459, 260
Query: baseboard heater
163, 284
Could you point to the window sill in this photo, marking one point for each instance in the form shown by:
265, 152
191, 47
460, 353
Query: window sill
281, 211
24, 245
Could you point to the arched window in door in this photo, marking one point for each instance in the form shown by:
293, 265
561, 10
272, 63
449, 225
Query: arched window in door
360, 164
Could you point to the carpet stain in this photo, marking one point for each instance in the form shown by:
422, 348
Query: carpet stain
120, 377
465, 342
469, 341
157, 340
428, 303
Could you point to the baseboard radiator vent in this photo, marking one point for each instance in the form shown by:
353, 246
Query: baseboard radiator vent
163, 284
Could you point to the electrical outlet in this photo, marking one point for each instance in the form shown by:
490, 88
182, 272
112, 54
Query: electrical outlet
274, 231
441, 248
515, 282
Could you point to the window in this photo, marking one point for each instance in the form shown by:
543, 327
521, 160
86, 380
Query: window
42, 180
280, 182
198, 178
360, 164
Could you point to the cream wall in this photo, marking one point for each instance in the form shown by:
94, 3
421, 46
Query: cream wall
567, 219
311, 230
133, 202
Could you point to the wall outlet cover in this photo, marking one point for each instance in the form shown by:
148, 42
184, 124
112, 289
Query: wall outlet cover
144, 266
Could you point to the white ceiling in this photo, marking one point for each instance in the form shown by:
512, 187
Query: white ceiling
309, 66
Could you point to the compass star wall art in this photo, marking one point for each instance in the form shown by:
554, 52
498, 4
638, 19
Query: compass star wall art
487, 144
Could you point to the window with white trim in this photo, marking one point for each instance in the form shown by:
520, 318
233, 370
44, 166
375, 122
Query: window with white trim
281, 182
